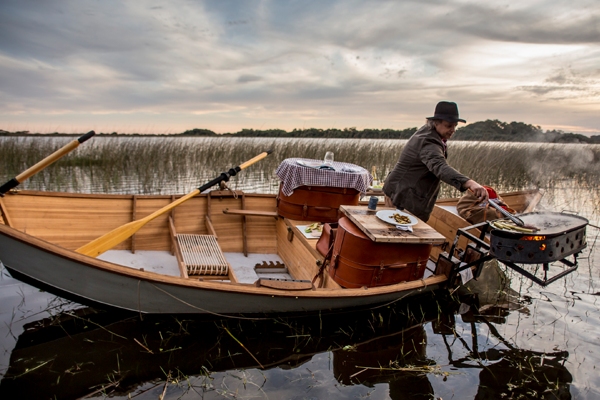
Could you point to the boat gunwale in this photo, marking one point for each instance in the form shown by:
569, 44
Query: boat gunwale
214, 193
525, 192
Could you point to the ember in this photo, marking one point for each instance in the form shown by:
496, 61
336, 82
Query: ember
533, 238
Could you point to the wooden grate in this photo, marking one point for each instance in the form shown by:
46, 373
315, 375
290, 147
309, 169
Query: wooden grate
202, 255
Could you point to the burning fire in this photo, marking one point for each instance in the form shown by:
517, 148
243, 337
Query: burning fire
537, 238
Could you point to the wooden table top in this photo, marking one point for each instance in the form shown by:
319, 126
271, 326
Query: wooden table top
379, 231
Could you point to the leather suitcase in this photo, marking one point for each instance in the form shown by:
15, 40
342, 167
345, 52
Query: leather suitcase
315, 203
358, 261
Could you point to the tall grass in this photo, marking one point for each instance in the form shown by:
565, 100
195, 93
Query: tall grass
170, 165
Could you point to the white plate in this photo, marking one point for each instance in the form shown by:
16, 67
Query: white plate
315, 165
387, 216
310, 164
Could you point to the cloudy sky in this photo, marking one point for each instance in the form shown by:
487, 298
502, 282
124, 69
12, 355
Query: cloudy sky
167, 66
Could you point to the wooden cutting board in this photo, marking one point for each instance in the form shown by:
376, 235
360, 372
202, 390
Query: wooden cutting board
379, 231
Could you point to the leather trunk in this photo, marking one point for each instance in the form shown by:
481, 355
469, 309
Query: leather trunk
358, 261
315, 203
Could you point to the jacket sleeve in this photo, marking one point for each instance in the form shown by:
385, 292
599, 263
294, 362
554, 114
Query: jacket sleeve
432, 155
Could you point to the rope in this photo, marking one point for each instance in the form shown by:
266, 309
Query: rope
223, 186
264, 319
206, 311
139, 302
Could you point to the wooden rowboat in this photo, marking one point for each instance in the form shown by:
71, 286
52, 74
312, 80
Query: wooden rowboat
149, 273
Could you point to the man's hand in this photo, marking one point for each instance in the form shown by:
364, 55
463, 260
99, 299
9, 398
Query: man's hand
477, 189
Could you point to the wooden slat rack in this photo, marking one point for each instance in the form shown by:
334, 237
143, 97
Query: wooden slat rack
202, 255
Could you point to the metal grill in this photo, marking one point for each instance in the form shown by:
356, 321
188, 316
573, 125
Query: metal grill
202, 255
559, 236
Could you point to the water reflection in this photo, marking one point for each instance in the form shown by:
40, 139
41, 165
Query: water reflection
512, 372
74, 354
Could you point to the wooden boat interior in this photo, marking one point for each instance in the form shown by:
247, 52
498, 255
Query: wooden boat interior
239, 237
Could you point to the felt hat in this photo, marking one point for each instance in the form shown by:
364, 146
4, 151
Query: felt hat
448, 111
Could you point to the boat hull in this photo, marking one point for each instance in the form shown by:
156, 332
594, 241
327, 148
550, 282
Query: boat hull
101, 284
41, 230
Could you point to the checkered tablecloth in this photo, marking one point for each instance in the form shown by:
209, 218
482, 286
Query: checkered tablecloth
293, 175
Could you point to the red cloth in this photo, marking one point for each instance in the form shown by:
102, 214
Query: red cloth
492, 194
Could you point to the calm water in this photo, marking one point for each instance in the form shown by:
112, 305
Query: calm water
534, 343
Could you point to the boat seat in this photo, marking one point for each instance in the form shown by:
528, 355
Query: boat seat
251, 213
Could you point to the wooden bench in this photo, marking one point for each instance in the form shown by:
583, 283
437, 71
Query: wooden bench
251, 213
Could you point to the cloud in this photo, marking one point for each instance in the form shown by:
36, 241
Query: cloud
380, 62
245, 78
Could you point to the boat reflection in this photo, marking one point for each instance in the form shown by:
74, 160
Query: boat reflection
74, 355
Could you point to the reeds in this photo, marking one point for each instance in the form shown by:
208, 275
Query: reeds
172, 165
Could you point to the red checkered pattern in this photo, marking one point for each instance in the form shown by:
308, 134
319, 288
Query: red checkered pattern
294, 175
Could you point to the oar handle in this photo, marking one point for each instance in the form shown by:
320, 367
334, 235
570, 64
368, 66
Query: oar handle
255, 159
44, 163
85, 137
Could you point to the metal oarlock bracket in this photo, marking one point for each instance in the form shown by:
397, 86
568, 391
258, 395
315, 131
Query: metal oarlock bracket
479, 245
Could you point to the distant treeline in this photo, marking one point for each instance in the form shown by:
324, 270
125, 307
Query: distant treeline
490, 130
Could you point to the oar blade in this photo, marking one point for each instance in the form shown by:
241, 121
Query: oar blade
111, 239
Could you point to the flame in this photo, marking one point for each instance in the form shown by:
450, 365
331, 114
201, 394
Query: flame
543, 247
538, 238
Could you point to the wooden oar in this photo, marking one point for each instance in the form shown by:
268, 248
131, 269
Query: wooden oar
116, 236
44, 163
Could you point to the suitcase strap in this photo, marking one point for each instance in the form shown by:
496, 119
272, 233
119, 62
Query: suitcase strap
326, 260
331, 258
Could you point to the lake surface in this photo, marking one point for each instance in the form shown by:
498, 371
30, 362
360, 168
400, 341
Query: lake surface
535, 343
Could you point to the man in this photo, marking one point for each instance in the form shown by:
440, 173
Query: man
414, 183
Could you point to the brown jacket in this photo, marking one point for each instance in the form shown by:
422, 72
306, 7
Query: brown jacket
414, 183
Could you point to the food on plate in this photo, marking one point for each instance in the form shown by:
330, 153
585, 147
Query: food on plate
400, 219
314, 227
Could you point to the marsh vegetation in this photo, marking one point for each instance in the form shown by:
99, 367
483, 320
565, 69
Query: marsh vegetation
171, 165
